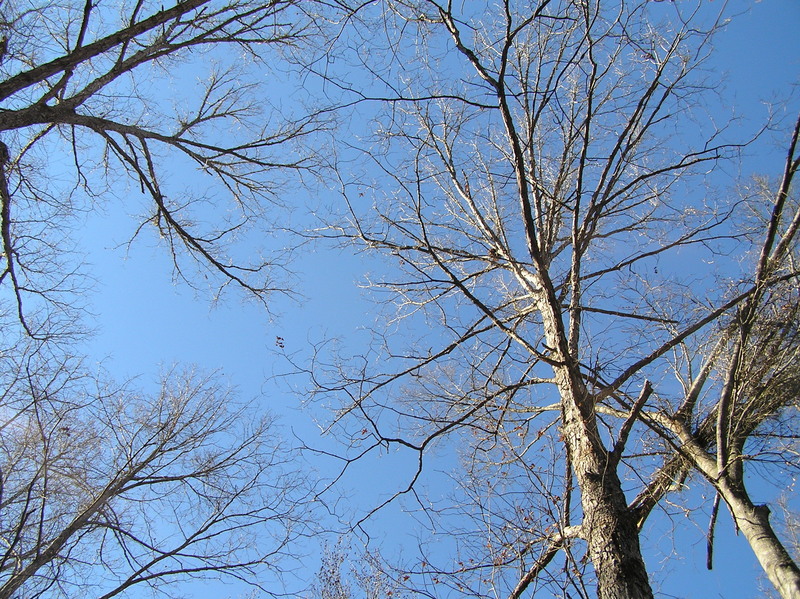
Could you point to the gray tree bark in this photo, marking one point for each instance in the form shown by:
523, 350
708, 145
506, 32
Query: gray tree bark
753, 521
609, 526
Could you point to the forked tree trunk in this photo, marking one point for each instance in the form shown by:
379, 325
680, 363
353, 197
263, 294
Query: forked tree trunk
753, 521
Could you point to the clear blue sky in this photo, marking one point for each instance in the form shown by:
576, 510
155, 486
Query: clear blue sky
146, 321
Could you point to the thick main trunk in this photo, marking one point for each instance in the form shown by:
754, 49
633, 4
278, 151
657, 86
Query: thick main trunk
609, 526
753, 521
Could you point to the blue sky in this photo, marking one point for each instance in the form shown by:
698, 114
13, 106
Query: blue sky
147, 321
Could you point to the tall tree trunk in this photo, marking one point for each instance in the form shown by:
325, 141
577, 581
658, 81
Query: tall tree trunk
753, 521
609, 526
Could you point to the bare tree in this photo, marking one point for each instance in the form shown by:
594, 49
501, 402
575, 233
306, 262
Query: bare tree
105, 489
748, 380
343, 575
537, 183
104, 100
